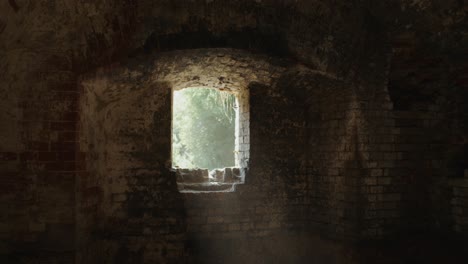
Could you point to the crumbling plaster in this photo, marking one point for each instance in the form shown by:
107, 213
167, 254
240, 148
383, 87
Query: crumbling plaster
45, 46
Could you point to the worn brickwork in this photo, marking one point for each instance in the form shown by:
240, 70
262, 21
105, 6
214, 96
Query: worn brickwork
356, 131
255, 225
139, 142
38, 135
309, 190
459, 203
427, 88
243, 129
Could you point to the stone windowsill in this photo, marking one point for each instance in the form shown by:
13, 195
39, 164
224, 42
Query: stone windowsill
206, 187
203, 180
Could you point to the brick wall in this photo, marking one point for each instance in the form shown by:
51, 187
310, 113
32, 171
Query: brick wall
459, 203
38, 159
426, 89
127, 137
243, 129
324, 159
96, 185
289, 189
45, 46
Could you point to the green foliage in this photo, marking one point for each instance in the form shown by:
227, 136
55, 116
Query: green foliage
203, 128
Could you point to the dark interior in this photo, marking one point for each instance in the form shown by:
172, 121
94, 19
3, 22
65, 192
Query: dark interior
353, 142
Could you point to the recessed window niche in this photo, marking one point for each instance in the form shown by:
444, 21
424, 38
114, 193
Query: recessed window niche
210, 139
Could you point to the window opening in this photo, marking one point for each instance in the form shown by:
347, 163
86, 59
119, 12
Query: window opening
210, 139
203, 128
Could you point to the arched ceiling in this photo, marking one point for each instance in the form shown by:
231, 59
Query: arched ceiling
331, 36
224, 69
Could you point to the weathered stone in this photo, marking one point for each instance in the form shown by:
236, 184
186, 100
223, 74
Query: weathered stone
353, 129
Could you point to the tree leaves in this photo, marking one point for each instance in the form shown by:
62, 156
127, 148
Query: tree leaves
203, 128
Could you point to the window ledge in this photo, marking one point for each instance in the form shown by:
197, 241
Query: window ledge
203, 180
206, 187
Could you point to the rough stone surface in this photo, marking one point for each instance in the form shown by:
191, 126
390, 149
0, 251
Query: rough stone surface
356, 131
